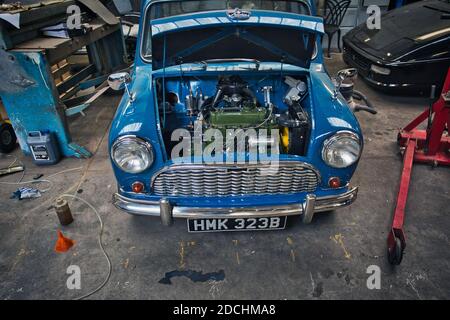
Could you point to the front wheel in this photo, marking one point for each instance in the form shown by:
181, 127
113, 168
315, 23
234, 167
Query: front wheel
8, 138
395, 253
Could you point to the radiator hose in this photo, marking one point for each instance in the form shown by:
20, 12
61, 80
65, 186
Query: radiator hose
368, 106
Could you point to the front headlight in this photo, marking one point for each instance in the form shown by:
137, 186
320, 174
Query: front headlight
342, 150
132, 154
380, 70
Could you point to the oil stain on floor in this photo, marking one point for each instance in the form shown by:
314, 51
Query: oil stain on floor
194, 276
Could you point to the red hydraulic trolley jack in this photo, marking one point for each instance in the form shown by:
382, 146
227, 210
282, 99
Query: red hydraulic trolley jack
430, 146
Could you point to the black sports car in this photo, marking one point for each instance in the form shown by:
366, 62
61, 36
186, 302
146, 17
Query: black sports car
410, 52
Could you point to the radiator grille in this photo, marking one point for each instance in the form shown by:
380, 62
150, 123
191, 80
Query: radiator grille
358, 59
199, 181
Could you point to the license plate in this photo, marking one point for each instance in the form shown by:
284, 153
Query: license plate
236, 224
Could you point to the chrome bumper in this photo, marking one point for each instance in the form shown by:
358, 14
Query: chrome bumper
167, 212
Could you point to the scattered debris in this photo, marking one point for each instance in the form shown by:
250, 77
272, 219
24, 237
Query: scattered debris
26, 193
290, 241
412, 280
216, 288
182, 263
339, 239
238, 259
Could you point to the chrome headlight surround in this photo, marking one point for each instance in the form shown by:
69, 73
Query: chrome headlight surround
132, 154
380, 70
342, 150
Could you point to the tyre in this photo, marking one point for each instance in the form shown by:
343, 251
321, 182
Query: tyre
395, 254
8, 138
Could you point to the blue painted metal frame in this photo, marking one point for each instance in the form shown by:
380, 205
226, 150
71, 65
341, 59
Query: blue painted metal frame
35, 107
141, 118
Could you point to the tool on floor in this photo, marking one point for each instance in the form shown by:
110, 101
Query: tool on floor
11, 170
63, 244
63, 212
431, 146
38, 176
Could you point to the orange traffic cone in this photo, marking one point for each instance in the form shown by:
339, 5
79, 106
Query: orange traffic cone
63, 244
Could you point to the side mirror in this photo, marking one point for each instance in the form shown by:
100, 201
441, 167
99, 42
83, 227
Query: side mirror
120, 81
345, 76
350, 73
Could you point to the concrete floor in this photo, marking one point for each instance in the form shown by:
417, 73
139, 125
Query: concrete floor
325, 260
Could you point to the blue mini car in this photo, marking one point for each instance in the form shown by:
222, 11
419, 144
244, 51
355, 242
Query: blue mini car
229, 118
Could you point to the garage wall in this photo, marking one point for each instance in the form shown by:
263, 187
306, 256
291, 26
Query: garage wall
356, 15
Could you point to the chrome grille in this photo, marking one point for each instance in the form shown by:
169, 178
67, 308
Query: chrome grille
357, 58
222, 181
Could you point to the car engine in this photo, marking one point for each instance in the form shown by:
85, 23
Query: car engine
234, 106
240, 104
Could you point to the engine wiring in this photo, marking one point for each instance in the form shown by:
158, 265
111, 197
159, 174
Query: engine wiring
31, 182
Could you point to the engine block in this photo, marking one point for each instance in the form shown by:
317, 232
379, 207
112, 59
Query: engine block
245, 118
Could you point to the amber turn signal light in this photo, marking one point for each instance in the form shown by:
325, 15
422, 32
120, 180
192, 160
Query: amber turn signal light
334, 183
138, 187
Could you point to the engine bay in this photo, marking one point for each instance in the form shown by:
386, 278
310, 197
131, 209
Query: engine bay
241, 103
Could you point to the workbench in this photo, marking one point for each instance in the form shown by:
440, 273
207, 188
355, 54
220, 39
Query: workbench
40, 87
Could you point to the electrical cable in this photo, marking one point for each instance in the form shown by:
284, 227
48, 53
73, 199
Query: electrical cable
51, 184
20, 182
100, 243
65, 171
31, 182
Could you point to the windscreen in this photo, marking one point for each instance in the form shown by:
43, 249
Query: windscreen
174, 8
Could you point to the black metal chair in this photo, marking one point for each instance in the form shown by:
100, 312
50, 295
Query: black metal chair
335, 11
129, 18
